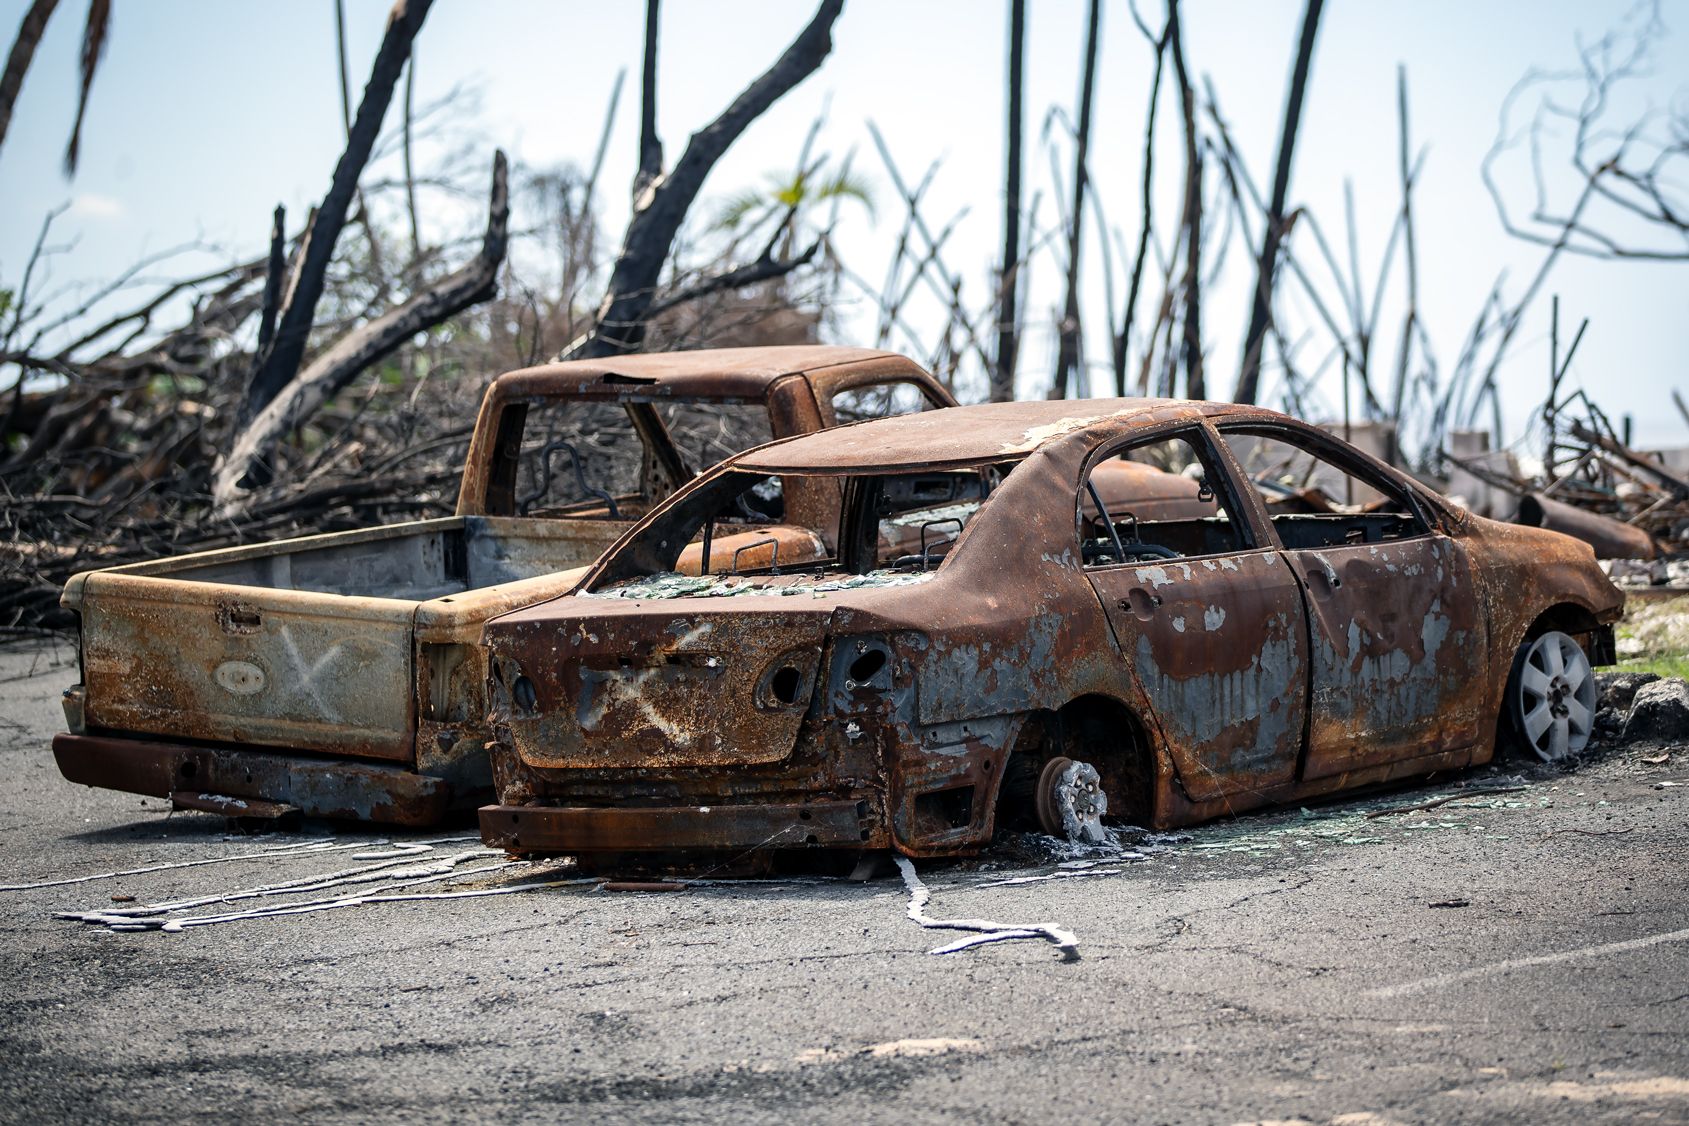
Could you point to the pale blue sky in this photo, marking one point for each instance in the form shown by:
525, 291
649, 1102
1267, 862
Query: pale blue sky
207, 114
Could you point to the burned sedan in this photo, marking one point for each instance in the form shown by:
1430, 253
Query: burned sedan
1002, 634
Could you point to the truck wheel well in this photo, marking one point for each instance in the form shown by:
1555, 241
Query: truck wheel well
1096, 729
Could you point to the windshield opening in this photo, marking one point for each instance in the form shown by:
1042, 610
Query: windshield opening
723, 537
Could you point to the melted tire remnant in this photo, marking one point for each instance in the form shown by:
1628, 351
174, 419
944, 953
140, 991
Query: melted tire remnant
1071, 802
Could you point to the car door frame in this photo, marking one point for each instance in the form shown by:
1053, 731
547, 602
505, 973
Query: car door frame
1404, 697
1225, 728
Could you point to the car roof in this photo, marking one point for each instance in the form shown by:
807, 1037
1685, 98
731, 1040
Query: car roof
970, 434
707, 373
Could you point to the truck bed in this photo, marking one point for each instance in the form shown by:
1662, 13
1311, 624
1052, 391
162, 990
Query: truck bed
309, 644
415, 562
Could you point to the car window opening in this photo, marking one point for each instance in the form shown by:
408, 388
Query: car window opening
894, 528
1316, 501
879, 400
1156, 501
600, 460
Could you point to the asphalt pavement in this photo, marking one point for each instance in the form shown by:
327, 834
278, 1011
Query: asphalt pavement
1513, 956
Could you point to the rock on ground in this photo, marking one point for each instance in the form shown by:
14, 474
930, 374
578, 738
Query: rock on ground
1618, 689
1659, 713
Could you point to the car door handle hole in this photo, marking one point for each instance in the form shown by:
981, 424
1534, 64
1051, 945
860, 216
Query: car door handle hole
1140, 603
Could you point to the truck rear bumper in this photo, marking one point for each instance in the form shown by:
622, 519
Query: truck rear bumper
691, 828
334, 788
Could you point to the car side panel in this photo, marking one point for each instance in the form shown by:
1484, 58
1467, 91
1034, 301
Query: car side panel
1521, 573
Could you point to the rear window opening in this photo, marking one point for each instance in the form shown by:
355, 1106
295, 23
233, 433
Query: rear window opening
894, 528
617, 460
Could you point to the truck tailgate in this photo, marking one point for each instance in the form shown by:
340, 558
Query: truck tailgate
283, 668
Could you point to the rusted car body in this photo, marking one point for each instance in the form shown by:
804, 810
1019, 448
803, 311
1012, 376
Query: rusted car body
340, 674
1201, 665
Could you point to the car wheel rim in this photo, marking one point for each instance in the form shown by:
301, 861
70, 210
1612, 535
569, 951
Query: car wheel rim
1554, 697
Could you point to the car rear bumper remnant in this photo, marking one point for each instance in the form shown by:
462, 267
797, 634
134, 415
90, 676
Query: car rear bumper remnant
576, 829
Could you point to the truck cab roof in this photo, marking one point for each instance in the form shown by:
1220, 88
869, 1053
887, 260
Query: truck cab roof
722, 373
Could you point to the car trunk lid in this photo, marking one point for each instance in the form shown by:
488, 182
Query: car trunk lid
614, 683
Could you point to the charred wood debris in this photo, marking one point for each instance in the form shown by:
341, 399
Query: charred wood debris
333, 382
330, 383
1630, 506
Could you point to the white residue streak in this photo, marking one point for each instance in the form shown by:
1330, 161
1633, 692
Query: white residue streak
919, 896
631, 690
268, 854
1038, 435
391, 872
1067, 872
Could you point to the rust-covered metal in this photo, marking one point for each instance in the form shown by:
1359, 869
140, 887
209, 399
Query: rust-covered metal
218, 778
912, 703
353, 653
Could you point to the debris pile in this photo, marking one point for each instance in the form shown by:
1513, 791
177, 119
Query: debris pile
1630, 506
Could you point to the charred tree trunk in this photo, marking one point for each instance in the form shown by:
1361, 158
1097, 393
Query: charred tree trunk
1260, 313
17, 62
94, 35
274, 369
1008, 284
340, 363
1146, 220
660, 209
650, 146
1196, 384
1067, 353
1191, 347
1410, 247
275, 269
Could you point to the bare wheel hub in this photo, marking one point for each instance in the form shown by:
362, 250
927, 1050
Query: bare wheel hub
1071, 802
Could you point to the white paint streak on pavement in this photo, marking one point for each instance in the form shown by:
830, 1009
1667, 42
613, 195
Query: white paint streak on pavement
1495, 968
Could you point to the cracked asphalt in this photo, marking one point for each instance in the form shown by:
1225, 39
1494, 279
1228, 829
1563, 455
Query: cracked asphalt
1517, 956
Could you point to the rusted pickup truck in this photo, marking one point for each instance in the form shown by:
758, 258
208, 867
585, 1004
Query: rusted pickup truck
340, 675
